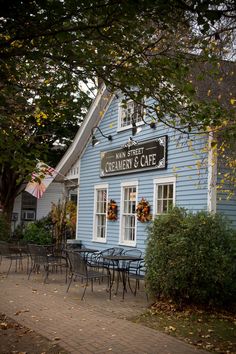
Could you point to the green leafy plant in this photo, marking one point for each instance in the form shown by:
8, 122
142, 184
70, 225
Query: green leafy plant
38, 232
191, 258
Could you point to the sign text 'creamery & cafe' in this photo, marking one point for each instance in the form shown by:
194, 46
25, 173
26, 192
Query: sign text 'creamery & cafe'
146, 155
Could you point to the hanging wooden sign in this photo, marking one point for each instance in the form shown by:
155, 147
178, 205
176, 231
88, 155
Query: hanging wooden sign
143, 156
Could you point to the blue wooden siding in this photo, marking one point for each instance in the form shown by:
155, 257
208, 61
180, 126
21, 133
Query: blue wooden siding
191, 182
227, 207
226, 204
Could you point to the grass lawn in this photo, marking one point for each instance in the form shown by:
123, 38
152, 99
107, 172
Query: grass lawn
209, 330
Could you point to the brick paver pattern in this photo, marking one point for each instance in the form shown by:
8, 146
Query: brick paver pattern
94, 325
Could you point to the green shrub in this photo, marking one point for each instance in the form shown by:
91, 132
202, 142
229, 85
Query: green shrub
18, 232
191, 258
5, 228
38, 232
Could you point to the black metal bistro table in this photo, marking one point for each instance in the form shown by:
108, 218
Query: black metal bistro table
121, 263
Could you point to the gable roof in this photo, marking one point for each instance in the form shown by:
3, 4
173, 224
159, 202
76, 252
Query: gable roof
95, 113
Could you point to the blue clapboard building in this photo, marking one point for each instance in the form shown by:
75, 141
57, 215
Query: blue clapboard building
124, 161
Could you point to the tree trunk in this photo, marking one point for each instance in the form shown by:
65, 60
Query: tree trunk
10, 187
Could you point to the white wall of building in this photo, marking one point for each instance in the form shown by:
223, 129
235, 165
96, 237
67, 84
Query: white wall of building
53, 194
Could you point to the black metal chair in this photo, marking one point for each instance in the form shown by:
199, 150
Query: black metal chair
124, 267
97, 260
12, 253
40, 258
137, 275
79, 268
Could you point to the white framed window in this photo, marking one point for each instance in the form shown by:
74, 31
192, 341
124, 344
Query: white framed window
128, 224
129, 112
100, 210
28, 207
164, 194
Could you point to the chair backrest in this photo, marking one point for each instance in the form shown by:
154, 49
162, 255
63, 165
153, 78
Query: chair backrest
77, 263
133, 252
38, 253
110, 251
117, 251
142, 268
106, 252
5, 249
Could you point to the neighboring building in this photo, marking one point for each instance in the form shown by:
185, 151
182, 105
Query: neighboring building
28, 208
158, 164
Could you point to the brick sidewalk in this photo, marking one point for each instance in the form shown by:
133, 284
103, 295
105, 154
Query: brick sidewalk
95, 325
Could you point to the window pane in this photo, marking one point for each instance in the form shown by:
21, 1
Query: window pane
131, 111
159, 192
159, 206
170, 191
170, 205
164, 197
100, 215
132, 195
165, 206
165, 194
128, 217
126, 207
133, 208
132, 221
126, 194
127, 221
28, 201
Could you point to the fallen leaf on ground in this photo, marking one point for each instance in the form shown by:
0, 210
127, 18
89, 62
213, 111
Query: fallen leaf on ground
17, 313
3, 325
172, 328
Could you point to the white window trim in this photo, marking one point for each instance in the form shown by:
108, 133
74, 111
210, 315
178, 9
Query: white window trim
121, 238
96, 188
163, 180
119, 127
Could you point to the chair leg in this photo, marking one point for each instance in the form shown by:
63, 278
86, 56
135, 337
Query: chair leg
130, 286
117, 283
136, 287
124, 283
71, 278
9, 267
33, 267
16, 265
66, 274
109, 283
84, 290
47, 273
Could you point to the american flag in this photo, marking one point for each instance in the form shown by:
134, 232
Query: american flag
40, 179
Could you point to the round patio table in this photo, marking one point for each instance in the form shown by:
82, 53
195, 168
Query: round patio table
122, 268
